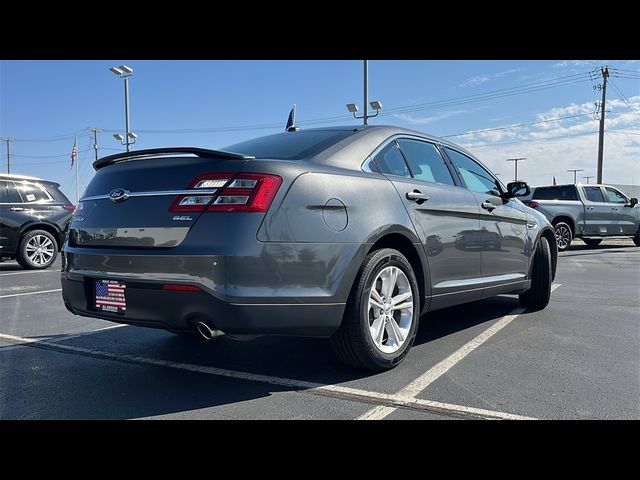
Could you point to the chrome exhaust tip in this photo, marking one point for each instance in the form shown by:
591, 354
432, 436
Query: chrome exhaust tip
207, 331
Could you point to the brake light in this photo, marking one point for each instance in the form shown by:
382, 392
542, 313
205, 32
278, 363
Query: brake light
71, 208
181, 288
532, 204
248, 192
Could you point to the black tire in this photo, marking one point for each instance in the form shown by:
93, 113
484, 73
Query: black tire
636, 237
537, 297
352, 342
564, 235
592, 242
26, 242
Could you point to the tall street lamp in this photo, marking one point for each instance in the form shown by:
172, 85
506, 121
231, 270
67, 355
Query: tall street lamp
375, 105
129, 137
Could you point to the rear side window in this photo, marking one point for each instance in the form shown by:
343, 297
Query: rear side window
425, 162
594, 194
33, 192
391, 161
476, 178
565, 192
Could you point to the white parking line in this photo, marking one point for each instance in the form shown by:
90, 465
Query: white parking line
439, 369
30, 293
62, 338
335, 391
30, 271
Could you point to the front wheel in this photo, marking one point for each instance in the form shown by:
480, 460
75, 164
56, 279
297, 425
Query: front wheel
592, 242
636, 237
538, 296
564, 235
382, 314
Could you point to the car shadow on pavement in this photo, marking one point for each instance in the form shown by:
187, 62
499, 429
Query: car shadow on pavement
81, 384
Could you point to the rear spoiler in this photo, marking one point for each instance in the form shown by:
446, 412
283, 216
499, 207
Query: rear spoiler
157, 152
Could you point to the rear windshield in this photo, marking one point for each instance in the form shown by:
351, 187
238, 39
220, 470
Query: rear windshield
290, 145
565, 192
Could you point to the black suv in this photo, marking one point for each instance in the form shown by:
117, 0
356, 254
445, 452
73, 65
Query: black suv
34, 219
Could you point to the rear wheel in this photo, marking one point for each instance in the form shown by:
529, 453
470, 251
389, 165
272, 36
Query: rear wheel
38, 249
592, 242
382, 314
537, 297
564, 235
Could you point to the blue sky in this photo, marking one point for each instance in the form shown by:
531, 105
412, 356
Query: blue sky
53, 100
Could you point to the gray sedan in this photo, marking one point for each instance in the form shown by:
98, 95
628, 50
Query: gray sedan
351, 233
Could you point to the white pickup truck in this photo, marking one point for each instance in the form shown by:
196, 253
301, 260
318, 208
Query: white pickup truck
589, 212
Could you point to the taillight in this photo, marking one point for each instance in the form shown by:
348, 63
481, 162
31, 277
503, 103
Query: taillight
181, 288
71, 208
248, 192
532, 204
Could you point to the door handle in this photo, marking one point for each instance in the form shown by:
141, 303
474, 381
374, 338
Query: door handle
17, 209
417, 196
589, 208
488, 205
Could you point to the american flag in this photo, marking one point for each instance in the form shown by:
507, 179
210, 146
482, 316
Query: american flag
74, 151
110, 294
292, 118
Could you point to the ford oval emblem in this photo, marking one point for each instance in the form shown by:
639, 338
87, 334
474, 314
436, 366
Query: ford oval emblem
118, 195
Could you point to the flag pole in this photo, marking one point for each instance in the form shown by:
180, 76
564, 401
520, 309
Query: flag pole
77, 177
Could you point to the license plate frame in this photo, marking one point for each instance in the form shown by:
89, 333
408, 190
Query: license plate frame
109, 296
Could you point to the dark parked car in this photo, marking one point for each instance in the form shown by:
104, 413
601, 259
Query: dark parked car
34, 219
345, 232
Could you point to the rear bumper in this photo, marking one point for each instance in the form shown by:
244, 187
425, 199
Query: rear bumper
180, 310
285, 289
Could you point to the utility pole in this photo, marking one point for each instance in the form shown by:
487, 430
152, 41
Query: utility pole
588, 177
516, 160
605, 76
366, 92
575, 171
95, 131
8, 140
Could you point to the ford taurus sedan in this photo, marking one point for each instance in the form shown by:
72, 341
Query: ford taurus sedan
351, 233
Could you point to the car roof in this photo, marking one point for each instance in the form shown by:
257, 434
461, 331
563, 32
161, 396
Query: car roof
366, 139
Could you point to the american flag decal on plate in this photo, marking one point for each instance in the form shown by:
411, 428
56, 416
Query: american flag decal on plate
110, 296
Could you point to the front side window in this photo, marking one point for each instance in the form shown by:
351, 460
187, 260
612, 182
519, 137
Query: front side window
3, 192
594, 194
614, 196
425, 162
391, 161
32, 192
476, 178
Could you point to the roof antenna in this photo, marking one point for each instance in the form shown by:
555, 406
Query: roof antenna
291, 121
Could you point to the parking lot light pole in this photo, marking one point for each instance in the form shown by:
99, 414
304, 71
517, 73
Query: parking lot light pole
516, 160
575, 171
125, 72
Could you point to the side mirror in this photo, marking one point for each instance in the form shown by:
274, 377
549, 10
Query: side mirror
633, 201
517, 189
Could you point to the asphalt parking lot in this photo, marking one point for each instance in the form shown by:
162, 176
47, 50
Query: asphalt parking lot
577, 359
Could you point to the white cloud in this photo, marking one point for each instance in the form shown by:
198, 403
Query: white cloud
553, 148
480, 79
412, 119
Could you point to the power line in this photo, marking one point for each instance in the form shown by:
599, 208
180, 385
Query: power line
624, 99
517, 125
491, 95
